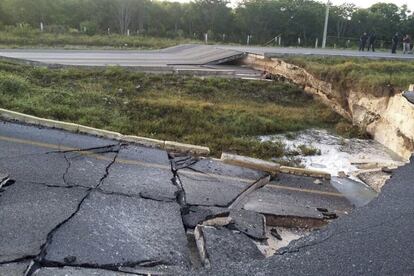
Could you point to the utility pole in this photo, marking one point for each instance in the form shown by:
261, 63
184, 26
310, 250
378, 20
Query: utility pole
325, 28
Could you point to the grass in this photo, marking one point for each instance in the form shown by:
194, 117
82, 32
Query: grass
224, 114
31, 38
377, 77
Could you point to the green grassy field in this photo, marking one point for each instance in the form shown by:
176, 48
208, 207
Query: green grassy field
224, 114
27, 38
377, 77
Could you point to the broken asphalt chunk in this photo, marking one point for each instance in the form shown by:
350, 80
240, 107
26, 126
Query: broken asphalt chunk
247, 222
250, 223
330, 215
111, 230
208, 190
222, 246
140, 170
29, 212
275, 234
194, 215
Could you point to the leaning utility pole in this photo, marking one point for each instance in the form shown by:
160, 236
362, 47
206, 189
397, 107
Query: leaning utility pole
325, 28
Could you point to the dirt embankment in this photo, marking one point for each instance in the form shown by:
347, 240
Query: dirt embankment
386, 115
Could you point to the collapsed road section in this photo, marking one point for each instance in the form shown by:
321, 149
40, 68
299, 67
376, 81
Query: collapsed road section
73, 204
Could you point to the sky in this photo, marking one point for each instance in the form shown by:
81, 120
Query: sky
360, 3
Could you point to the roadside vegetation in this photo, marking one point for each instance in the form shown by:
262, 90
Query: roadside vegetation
377, 77
224, 114
26, 37
262, 20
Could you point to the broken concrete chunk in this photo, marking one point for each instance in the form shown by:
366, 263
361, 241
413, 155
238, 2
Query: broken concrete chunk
29, 212
222, 246
250, 163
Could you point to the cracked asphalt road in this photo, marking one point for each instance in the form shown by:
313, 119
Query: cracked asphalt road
82, 205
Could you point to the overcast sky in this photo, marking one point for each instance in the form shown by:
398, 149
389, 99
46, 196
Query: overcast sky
360, 3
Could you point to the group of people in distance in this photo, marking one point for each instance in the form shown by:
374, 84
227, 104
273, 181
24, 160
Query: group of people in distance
368, 41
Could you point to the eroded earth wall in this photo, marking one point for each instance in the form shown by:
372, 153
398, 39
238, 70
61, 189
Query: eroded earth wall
387, 115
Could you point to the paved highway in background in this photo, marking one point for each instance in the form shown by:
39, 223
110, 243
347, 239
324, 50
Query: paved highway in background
277, 51
182, 55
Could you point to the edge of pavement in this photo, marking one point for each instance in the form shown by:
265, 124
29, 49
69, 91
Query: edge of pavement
76, 128
238, 160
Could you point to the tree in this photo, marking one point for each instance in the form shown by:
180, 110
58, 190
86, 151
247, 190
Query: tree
124, 12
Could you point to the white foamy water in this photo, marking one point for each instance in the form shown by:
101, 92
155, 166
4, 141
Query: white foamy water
337, 153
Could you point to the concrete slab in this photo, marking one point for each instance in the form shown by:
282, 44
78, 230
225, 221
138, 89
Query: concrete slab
28, 212
134, 179
113, 231
14, 269
225, 246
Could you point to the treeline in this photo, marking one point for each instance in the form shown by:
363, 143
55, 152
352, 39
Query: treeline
261, 19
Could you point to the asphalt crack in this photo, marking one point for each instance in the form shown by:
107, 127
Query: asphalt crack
69, 164
40, 258
234, 204
100, 149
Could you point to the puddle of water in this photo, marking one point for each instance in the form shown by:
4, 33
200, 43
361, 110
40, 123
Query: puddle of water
337, 155
356, 192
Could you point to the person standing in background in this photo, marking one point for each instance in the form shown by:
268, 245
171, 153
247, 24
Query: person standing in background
395, 40
363, 41
406, 44
371, 41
